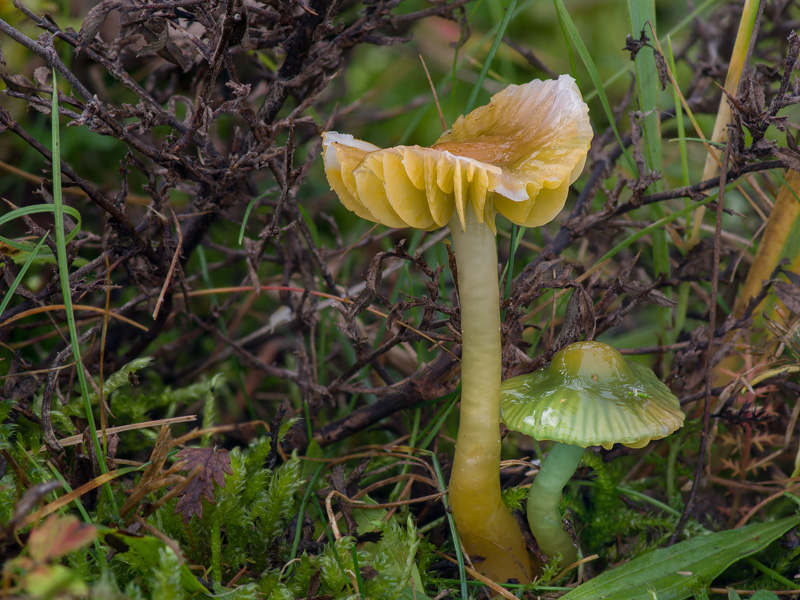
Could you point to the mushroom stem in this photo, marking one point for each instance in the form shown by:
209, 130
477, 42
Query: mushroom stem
486, 526
544, 497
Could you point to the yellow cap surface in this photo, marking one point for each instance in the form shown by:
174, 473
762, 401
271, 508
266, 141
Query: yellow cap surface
516, 156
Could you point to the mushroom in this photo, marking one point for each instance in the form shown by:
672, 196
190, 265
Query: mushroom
516, 156
590, 395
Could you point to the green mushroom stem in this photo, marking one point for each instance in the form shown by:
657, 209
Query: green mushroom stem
486, 526
544, 497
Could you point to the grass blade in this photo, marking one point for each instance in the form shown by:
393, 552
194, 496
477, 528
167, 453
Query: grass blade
739, 58
63, 275
32, 210
462, 574
21, 275
501, 30
685, 287
574, 37
659, 224
642, 15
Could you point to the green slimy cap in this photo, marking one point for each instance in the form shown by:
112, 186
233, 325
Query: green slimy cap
590, 395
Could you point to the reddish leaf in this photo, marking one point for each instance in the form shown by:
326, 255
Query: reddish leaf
213, 464
58, 536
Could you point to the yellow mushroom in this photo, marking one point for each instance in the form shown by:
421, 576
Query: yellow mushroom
516, 156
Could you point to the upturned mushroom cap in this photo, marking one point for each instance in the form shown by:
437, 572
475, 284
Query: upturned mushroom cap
591, 396
517, 156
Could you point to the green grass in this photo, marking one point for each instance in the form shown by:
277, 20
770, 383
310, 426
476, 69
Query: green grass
63, 274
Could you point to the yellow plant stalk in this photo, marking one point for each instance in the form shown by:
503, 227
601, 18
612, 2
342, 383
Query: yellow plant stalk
739, 59
783, 220
516, 156
778, 241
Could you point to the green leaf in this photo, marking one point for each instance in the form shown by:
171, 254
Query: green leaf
395, 557
123, 376
514, 497
279, 501
5, 409
316, 454
144, 553
312, 227
673, 573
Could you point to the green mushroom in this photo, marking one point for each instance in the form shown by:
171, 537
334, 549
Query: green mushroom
588, 396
